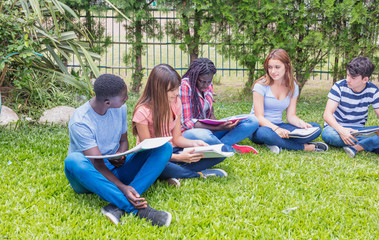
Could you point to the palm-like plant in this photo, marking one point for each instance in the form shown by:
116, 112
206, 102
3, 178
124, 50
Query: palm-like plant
40, 33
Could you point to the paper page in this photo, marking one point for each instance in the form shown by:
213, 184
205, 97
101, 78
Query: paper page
146, 144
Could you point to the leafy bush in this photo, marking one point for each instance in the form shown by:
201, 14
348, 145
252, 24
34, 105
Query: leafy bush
34, 45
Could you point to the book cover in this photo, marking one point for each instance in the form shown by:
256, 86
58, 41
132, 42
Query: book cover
144, 145
218, 122
303, 133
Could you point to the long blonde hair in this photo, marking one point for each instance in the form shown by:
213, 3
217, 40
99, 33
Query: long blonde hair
282, 56
163, 78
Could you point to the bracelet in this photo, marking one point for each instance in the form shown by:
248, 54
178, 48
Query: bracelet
276, 129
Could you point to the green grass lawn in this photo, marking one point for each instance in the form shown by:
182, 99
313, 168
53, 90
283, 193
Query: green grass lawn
334, 196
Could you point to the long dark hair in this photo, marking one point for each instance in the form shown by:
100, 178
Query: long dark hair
162, 78
198, 67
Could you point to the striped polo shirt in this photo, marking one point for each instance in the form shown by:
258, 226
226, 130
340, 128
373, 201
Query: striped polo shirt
353, 107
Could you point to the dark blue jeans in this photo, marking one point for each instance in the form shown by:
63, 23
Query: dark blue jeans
187, 170
265, 135
140, 170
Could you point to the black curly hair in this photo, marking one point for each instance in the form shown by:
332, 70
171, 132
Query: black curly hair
107, 86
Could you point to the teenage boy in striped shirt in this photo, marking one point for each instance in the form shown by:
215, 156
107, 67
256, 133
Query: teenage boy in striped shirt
347, 109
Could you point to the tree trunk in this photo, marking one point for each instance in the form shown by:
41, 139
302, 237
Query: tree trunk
193, 45
137, 76
250, 81
335, 68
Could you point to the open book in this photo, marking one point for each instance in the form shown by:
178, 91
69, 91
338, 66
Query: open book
224, 120
366, 132
144, 145
212, 151
303, 133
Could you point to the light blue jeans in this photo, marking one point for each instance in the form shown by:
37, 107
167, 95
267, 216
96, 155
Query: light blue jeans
265, 135
244, 129
140, 170
370, 144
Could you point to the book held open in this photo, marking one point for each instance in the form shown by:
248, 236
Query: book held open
146, 144
366, 132
303, 133
212, 151
220, 121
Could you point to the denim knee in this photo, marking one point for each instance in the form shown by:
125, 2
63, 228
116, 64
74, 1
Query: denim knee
252, 121
75, 160
263, 134
331, 137
164, 152
76, 166
318, 133
200, 133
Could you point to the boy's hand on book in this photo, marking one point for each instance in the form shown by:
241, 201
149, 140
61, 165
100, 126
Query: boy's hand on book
347, 138
117, 162
133, 197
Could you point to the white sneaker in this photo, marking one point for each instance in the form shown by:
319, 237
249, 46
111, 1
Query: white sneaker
274, 148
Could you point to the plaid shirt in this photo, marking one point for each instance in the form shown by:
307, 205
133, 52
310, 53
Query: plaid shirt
187, 119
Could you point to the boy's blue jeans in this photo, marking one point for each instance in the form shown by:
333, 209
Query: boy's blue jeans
244, 129
370, 144
265, 135
140, 170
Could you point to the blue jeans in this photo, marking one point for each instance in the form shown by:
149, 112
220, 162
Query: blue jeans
140, 170
370, 144
265, 135
175, 169
244, 129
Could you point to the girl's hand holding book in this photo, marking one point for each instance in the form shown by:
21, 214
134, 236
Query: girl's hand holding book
229, 125
190, 156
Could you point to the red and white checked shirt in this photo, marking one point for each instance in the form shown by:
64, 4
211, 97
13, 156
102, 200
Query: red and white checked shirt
187, 120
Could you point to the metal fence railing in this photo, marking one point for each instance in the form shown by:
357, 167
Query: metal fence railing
165, 51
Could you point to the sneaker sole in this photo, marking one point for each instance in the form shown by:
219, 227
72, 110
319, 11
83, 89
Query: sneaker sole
111, 217
168, 220
321, 143
349, 152
173, 182
219, 169
274, 149
251, 149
